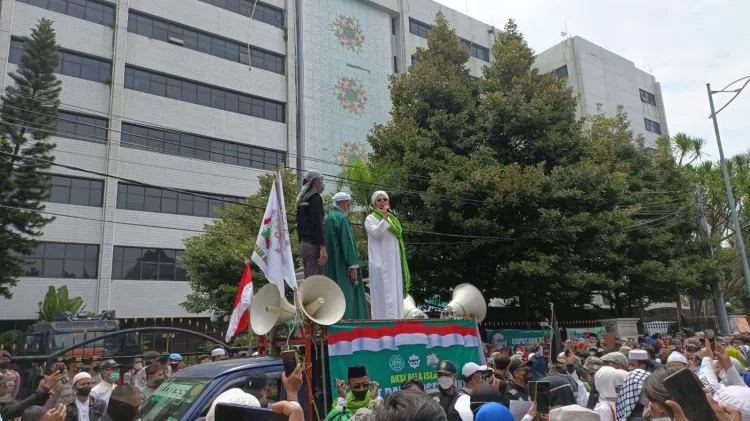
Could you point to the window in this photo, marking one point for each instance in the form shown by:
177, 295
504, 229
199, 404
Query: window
393, 26
204, 42
149, 199
81, 127
196, 146
141, 263
76, 191
263, 12
652, 126
479, 52
418, 28
60, 260
70, 64
92, 11
648, 97
414, 61
395, 65
156, 84
562, 72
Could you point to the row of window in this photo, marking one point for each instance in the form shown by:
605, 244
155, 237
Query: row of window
90, 10
648, 97
80, 261
149, 199
263, 12
652, 126
76, 191
197, 93
82, 127
421, 29
70, 64
201, 147
204, 42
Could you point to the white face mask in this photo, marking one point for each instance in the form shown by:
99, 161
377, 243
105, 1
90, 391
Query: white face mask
137, 366
445, 382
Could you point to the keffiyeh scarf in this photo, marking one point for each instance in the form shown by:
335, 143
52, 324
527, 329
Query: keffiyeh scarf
630, 393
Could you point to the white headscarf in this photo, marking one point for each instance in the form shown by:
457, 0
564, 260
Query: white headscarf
676, 357
376, 195
341, 197
573, 413
236, 396
81, 376
608, 381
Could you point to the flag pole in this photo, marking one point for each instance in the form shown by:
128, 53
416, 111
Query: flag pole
249, 327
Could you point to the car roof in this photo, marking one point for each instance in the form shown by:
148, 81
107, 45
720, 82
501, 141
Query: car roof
220, 368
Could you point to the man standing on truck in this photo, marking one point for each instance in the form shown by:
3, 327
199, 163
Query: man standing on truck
14, 384
310, 225
110, 371
359, 397
343, 262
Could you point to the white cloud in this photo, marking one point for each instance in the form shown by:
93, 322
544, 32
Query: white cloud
684, 44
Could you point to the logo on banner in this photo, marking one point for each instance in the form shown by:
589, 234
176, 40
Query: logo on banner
396, 363
414, 361
432, 360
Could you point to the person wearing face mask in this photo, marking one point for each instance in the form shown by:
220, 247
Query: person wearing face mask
149, 358
566, 368
445, 394
123, 403
256, 384
518, 389
14, 382
362, 393
66, 394
343, 262
154, 378
538, 363
84, 407
131, 375
310, 226
110, 372
175, 361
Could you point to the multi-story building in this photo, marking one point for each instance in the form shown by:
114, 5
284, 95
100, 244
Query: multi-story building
201, 96
600, 77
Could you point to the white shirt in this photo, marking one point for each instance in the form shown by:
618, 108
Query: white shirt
463, 407
83, 409
103, 391
605, 411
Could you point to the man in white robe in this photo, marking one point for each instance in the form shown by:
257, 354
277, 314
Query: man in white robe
389, 272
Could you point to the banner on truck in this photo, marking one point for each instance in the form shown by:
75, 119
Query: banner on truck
507, 339
395, 351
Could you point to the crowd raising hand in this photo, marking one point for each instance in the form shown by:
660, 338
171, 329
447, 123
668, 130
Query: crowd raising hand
723, 413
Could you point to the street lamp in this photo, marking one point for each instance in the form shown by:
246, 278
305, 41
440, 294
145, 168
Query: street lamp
725, 172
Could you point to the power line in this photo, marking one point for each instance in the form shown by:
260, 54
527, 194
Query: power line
650, 221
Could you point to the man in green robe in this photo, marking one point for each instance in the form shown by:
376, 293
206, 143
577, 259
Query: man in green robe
343, 262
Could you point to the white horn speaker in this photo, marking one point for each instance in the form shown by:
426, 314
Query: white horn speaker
269, 308
322, 300
411, 311
468, 301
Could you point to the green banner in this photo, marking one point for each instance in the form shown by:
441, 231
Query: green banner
395, 351
507, 339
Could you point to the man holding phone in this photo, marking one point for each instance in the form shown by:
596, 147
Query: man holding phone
520, 370
362, 393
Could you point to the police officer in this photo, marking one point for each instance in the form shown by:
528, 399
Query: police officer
445, 394
70, 367
517, 390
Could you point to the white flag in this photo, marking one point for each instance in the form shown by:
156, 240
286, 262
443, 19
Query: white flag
273, 249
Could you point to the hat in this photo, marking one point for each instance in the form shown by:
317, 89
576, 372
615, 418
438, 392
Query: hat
638, 355
218, 352
484, 393
5, 353
593, 364
676, 357
81, 376
73, 360
471, 368
625, 350
175, 357
150, 355
516, 364
446, 367
256, 380
95, 358
573, 412
616, 357
341, 197
109, 364
376, 195
357, 371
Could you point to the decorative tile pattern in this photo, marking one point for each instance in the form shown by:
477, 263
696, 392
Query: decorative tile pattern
349, 32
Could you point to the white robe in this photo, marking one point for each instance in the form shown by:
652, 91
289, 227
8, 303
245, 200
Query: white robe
386, 277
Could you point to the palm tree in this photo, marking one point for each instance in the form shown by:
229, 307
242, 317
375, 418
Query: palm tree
687, 147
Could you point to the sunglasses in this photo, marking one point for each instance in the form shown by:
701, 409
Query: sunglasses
381, 199
361, 386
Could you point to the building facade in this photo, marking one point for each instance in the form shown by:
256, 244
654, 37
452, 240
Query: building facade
602, 78
199, 96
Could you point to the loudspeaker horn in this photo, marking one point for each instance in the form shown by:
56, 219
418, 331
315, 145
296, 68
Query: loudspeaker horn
411, 311
269, 308
468, 301
322, 300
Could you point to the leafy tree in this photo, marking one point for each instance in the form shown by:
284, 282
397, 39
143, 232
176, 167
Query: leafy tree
215, 260
58, 300
29, 112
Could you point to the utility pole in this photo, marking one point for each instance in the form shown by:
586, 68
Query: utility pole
721, 310
725, 172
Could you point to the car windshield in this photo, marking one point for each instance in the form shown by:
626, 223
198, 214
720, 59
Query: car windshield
172, 399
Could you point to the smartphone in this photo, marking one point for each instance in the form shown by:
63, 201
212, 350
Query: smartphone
687, 391
532, 390
542, 397
290, 361
232, 412
61, 370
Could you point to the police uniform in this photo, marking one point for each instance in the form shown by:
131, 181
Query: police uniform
67, 393
96, 377
444, 398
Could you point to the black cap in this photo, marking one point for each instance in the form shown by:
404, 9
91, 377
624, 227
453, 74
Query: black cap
255, 380
70, 360
484, 393
357, 371
446, 367
109, 364
516, 363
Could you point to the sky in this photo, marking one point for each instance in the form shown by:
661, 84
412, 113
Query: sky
684, 44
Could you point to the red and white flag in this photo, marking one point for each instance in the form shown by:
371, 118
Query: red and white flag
239, 319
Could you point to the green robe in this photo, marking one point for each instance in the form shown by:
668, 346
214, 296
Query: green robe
342, 254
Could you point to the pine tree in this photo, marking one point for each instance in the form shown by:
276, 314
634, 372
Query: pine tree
29, 114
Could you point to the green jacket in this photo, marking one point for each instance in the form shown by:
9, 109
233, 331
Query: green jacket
339, 413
